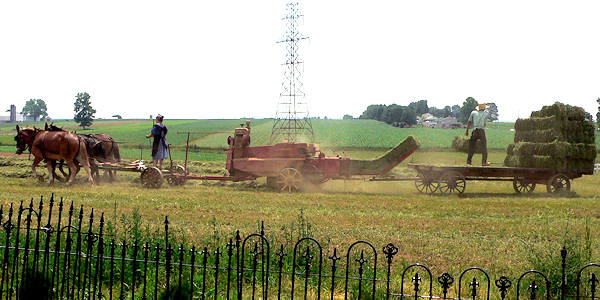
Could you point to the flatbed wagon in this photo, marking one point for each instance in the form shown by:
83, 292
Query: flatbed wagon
453, 179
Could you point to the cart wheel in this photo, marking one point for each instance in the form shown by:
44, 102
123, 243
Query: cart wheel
175, 180
289, 180
522, 186
452, 182
178, 170
152, 178
426, 184
559, 183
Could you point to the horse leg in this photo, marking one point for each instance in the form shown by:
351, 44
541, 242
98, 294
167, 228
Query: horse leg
72, 169
50, 165
58, 177
36, 161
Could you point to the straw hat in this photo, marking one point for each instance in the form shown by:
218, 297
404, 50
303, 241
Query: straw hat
482, 106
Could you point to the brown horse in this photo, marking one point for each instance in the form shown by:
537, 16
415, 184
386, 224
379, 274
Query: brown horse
100, 147
53, 146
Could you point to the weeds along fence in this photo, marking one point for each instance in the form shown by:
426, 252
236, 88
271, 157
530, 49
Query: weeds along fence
53, 251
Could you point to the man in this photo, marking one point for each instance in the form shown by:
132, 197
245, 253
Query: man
477, 120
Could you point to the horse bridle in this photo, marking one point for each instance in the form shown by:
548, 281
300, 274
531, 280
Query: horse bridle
27, 146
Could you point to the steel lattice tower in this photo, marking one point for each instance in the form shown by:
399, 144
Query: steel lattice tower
292, 122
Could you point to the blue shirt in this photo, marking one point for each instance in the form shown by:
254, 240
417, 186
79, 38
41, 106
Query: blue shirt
478, 118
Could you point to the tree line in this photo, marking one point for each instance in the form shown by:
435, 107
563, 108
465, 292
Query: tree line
407, 115
37, 110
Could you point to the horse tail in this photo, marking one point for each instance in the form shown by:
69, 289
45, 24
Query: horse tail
115, 149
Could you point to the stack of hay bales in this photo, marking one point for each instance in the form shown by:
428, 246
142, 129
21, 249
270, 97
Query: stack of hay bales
461, 144
557, 137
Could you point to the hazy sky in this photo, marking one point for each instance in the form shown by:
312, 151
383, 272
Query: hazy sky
220, 59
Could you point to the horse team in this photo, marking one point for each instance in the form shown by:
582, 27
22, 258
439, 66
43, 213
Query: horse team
54, 145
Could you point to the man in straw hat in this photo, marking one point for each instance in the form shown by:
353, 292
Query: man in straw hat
477, 120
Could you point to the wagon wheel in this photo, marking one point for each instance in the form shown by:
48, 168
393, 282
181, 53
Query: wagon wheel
176, 180
558, 183
152, 178
289, 180
452, 182
178, 169
425, 184
522, 186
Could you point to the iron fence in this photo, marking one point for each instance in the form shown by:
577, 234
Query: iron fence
51, 253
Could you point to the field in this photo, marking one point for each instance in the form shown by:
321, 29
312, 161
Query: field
489, 226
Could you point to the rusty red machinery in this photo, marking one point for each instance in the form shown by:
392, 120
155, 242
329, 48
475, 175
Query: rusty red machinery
291, 166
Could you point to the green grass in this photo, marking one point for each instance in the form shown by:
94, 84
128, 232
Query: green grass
490, 226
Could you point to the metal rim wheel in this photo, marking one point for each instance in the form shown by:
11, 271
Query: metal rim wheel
178, 169
559, 183
523, 186
175, 180
425, 184
452, 182
152, 178
289, 180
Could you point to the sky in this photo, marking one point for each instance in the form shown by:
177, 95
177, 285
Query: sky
220, 59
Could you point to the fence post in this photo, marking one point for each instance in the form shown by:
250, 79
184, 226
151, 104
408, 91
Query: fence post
563, 284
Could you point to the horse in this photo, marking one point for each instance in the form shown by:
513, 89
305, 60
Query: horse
53, 146
101, 147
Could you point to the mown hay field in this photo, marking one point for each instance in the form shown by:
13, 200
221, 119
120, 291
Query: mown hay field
489, 226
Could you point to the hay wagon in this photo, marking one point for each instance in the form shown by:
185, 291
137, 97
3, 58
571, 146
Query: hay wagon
453, 179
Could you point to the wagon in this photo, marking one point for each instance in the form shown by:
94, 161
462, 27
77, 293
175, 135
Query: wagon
453, 179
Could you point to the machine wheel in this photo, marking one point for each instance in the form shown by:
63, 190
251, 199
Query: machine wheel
178, 169
289, 180
425, 184
152, 178
558, 183
523, 186
452, 182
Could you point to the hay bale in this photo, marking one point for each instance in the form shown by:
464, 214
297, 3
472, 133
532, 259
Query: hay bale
561, 111
460, 143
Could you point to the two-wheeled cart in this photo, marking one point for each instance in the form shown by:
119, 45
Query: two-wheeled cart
453, 179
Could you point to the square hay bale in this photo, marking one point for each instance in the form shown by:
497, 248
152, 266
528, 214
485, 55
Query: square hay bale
460, 143
561, 111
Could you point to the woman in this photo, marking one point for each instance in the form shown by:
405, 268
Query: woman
160, 149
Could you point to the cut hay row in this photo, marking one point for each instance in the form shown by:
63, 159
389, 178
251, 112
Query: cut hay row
461, 144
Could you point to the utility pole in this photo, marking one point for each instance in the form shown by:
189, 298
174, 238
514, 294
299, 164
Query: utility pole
292, 122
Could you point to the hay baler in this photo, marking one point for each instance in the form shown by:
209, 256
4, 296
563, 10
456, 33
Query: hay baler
290, 166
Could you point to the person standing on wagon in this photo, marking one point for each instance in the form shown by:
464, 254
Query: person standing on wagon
160, 149
477, 120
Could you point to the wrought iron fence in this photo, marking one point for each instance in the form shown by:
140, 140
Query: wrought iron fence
51, 253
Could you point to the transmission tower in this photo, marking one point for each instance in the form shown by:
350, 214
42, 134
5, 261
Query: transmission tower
292, 123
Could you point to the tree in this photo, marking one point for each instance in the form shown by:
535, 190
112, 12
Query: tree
393, 113
598, 113
420, 107
84, 113
493, 112
35, 108
374, 112
347, 117
465, 111
409, 116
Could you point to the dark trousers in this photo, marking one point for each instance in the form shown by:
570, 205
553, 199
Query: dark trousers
477, 134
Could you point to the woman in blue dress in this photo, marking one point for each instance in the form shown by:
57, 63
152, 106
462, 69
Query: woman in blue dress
160, 146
